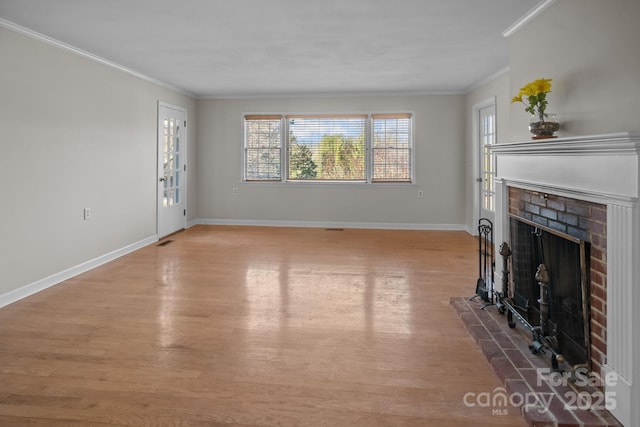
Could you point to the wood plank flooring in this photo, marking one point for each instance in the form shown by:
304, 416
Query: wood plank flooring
254, 326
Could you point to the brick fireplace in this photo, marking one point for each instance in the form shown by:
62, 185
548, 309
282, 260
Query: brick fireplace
588, 187
583, 220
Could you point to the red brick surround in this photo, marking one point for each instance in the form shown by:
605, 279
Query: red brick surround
583, 220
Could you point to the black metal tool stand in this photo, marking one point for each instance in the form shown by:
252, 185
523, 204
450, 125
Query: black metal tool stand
486, 263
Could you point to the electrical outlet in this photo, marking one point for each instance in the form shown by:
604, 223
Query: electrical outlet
420, 193
235, 190
87, 214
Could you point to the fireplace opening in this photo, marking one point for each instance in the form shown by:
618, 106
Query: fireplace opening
566, 259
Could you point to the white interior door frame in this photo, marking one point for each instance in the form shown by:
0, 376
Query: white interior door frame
477, 148
171, 217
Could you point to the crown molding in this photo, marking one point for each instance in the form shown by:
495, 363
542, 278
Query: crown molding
488, 79
524, 20
87, 55
312, 95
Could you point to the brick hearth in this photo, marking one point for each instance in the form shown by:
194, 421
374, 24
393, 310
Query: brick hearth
508, 353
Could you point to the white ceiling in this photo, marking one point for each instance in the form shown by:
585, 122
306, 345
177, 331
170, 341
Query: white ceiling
242, 48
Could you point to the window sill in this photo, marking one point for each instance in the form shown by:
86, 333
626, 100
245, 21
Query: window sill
333, 184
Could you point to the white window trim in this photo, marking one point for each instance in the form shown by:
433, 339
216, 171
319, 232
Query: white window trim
284, 152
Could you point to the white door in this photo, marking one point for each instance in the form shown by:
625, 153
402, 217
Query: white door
172, 169
487, 137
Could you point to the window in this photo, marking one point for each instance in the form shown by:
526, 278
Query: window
262, 147
374, 148
391, 148
327, 148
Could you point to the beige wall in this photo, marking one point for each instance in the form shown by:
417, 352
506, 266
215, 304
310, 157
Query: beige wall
439, 151
75, 134
590, 50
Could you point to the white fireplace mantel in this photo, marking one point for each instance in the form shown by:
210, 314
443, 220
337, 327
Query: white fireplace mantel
601, 169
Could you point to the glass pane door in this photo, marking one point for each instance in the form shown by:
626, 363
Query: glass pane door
171, 162
487, 135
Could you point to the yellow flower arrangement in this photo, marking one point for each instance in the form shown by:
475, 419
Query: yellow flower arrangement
535, 94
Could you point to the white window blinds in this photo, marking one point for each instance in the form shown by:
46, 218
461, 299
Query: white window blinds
327, 147
263, 147
392, 144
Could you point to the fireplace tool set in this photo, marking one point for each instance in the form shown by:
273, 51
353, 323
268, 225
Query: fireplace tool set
544, 336
486, 263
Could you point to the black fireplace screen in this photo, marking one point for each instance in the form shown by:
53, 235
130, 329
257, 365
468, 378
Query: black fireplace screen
566, 259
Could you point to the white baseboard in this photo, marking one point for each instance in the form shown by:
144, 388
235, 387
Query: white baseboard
193, 222
42, 284
329, 224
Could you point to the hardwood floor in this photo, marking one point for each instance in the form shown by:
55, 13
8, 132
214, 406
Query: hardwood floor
254, 326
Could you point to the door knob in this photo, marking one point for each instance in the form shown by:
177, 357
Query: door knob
163, 179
